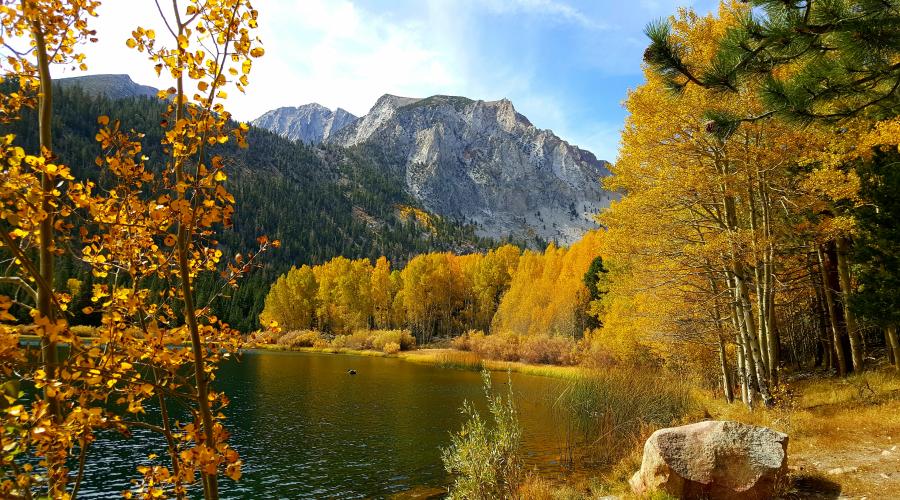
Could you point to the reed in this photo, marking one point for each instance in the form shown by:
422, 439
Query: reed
606, 414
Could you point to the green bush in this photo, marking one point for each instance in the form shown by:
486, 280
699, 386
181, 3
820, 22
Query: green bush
484, 457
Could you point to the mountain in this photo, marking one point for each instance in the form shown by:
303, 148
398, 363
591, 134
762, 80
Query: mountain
481, 162
111, 86
310, 123
320, 202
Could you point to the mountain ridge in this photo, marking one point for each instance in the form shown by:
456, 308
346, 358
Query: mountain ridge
113, 86
309, 123
483, 161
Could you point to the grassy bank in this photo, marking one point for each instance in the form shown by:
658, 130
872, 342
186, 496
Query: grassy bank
844, 434
844, 439
462, 360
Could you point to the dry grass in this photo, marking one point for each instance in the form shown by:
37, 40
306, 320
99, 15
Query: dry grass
844, 434
462, 360
844, 437
361, 341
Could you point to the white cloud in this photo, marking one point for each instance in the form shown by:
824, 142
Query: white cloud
328, 51
552, 9
337, 53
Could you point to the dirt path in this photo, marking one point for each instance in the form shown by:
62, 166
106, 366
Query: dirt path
848, 451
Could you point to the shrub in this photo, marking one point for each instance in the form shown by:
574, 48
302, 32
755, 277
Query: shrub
299, 338
263, 337
402, 338
464, 341
502, 346
550, 350
540, 349
360, 340
602, 349
391, 348
485, 459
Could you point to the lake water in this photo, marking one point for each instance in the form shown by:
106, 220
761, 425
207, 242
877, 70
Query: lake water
305, 428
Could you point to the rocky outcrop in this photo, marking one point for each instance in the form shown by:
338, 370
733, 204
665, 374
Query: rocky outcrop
111, 86
310, 123
483, 162
713, 460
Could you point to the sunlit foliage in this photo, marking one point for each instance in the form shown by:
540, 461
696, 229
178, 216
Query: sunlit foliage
146, 231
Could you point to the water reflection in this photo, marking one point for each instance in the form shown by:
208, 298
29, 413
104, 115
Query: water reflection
307, 429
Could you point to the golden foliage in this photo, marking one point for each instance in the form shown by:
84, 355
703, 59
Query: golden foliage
140, 225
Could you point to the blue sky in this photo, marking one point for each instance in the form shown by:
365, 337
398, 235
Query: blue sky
565, 64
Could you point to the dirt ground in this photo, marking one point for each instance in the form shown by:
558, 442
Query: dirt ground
858, 458
844, 434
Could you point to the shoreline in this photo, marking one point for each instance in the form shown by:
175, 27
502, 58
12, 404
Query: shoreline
444, 358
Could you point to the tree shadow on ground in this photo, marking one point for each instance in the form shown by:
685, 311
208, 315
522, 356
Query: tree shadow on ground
813, 486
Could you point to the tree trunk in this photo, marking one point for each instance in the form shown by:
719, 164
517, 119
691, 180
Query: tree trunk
210, 481
890, 332
824, 349
49, 354
742, 371
856, 343
773, 343
742, 298
759, 282
826, 266
726, 372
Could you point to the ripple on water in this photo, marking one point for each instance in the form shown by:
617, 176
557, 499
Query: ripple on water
305, 429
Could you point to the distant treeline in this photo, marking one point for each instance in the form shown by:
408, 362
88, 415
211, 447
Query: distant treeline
443, 294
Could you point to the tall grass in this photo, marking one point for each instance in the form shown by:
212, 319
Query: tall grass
607, 414
459, 360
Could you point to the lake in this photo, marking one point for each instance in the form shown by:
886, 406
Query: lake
305, 428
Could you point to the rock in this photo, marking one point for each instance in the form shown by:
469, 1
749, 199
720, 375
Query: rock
713, 459
886, 453
841, 470
310, 123
468, 160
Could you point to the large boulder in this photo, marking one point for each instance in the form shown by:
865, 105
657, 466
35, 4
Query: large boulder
713, 459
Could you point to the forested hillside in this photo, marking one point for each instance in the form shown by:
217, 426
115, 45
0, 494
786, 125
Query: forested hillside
318, 201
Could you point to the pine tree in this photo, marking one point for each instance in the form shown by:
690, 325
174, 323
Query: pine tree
816, 60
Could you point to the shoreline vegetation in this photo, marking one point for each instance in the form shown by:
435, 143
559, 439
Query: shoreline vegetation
749, 270
824, 421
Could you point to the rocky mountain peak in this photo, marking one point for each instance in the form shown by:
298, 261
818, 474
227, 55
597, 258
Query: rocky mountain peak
484, 162
476, 161
310, 123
